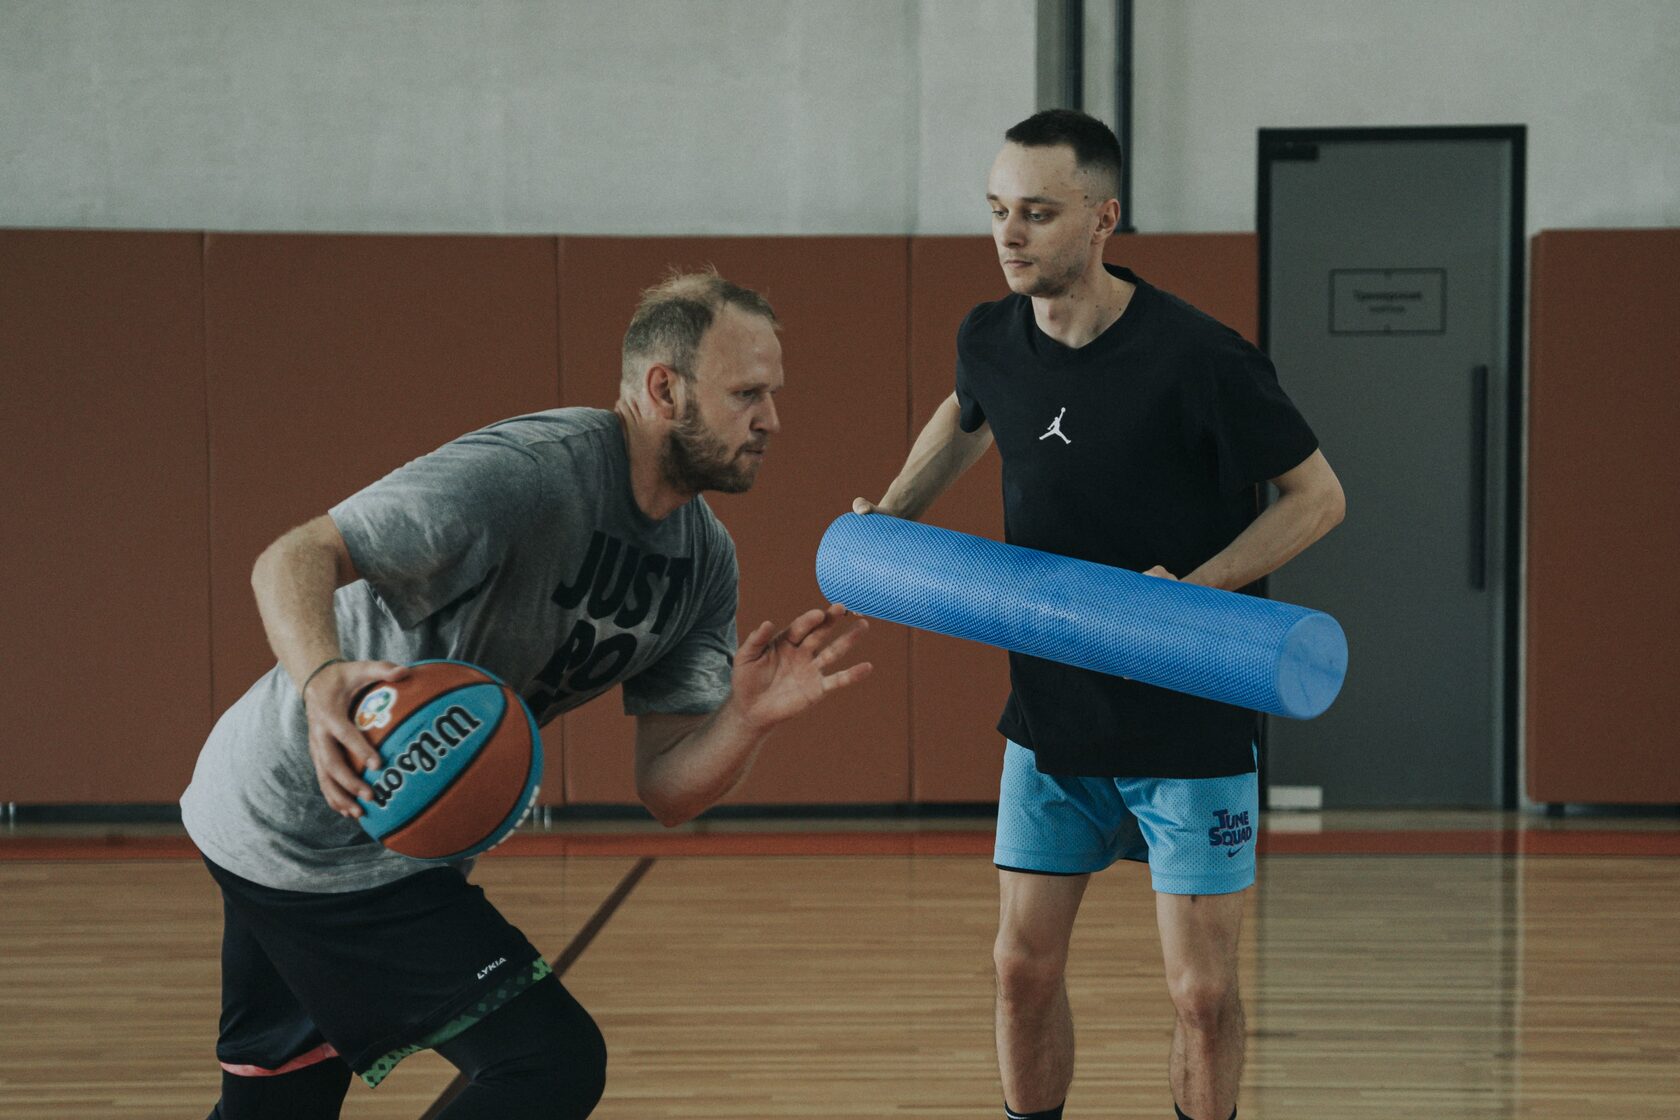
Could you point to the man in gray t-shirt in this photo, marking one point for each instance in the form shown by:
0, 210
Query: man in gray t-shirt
566, 552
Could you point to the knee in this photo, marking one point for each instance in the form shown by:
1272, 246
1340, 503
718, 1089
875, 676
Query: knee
570, 1069
591, 1060
553, 1082
1026, 974
1205, 1003
541, 1055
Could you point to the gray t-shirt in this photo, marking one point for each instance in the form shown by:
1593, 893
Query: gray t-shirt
519, 548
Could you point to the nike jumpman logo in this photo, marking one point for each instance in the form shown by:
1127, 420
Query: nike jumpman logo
1056, 428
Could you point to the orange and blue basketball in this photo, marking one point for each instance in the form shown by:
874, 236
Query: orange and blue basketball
460, 760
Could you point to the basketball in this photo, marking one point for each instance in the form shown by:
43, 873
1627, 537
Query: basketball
460, 760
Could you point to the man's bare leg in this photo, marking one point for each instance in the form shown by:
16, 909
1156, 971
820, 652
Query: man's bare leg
1034, 1022
1199, 935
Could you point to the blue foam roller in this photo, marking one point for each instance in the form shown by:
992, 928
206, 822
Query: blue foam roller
1254, 653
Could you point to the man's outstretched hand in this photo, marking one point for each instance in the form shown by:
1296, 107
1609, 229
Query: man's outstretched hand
780, 675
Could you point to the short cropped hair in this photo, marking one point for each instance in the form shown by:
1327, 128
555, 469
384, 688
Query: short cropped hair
1095, 149
675, 314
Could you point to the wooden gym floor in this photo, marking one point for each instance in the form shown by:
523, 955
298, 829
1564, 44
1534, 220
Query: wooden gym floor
1437, 966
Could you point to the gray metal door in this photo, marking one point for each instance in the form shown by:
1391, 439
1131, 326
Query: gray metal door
1388, 259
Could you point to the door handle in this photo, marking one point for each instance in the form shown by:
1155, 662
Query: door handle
1480, 415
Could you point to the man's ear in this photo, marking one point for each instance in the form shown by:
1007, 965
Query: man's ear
1108, 218
662, 391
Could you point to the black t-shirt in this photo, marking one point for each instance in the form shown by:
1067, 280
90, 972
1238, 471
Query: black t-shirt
1142, 447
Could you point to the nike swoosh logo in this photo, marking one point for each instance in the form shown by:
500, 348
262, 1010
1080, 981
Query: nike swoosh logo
1232, 852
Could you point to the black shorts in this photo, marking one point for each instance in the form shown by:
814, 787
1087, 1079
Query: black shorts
371, 976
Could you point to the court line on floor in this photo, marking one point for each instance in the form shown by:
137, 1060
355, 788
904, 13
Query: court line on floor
934, 842
568, 956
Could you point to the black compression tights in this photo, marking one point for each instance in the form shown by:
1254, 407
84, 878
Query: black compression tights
540, 1057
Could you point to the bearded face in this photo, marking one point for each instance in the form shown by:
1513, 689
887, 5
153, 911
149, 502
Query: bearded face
695, 458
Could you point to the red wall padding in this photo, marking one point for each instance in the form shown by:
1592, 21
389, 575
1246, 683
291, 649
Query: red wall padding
105, 613
1603, 516
183, 399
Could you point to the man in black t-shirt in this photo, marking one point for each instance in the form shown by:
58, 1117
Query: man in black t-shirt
1134, 430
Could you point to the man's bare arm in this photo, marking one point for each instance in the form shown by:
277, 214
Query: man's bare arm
1310, 503
294, 580
684, 764
942, 452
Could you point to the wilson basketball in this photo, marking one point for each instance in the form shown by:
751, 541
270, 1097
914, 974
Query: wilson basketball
460, 760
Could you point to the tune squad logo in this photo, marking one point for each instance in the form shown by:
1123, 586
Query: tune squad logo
1230, 831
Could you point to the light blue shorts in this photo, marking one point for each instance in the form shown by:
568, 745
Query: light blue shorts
1196, 834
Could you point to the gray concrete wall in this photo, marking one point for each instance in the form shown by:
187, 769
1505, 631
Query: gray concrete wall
773, 116
1597, 82
508, 116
